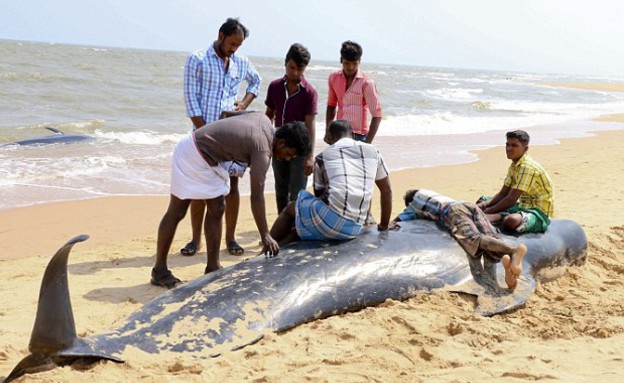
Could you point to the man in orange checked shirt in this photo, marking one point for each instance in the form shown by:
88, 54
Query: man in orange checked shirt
354, 94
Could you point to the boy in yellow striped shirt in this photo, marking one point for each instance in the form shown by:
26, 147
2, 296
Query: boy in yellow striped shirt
525, 203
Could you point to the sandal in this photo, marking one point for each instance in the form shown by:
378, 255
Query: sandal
164, 278
234, 248
190, 249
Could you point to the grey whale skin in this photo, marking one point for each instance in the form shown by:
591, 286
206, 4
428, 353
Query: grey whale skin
307, 281
57, 138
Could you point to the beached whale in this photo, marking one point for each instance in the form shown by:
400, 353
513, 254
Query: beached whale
233, 307
57, 138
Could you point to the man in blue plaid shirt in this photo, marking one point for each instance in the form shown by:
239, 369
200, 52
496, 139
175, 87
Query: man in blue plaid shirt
212, 78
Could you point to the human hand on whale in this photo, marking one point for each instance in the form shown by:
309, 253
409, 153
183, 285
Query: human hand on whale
270, 247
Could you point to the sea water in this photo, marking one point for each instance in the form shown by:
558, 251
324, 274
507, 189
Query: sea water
131, 102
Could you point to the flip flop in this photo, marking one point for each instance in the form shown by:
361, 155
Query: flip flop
164, 279
234, 248
189, 249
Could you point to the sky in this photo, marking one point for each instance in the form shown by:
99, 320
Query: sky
544, 36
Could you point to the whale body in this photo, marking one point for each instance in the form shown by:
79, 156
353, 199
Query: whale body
57, 138
233, 307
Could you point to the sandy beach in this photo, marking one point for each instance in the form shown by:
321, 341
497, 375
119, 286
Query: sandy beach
570, 330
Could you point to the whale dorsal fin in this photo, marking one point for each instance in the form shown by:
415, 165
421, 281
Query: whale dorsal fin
54, 130
54, 327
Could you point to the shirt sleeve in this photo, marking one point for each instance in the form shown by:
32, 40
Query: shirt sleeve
320, 176
259, 165
253, 79
382, 170
192, 86
332, 98
408, 214
268, 101
312, 107
372, 98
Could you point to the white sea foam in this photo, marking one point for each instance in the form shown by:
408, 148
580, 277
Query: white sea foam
140, 138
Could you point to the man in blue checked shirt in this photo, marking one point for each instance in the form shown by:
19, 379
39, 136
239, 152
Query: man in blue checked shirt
212, 78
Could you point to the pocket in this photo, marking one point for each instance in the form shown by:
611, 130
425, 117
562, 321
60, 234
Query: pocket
232, 85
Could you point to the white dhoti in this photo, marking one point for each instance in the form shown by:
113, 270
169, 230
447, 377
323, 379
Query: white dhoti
192, 177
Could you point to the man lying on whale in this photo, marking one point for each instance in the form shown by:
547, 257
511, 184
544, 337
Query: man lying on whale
344, 175
469, 225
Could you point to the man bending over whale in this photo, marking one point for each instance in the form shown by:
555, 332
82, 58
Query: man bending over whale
344, 175
196, 174
469, 226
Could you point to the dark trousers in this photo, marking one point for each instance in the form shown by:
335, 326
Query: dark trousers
289, 180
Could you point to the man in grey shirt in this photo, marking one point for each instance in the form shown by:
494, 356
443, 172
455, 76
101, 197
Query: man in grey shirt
196, 174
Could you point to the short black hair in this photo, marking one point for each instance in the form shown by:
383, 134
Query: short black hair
340, 128
520, 135
409, 196
232, 26
296, 136
351, 51
299, 54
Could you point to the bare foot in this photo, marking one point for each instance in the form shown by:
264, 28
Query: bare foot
510, 279
513, 266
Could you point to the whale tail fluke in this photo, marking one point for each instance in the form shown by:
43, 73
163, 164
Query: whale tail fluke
31, 364
54, 330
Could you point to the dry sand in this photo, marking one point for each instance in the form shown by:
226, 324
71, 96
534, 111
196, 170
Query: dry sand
571, 329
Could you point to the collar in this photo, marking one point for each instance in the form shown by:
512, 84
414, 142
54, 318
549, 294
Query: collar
359, 74
525, 157
344, 142
303, 83
213, 52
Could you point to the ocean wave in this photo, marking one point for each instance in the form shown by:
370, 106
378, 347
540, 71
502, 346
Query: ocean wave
453, 94
140, 137
447, 123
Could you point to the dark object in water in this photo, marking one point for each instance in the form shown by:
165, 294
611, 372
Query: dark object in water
57, 138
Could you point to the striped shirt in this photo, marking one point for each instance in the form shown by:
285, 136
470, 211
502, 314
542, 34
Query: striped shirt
345, 175
209, 89
427, 204
529, 177
355, 102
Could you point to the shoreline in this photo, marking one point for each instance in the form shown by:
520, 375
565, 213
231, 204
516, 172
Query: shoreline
52, 217
425, 150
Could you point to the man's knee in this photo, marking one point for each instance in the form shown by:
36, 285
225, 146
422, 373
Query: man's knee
176, 211
176, 214
215, 207
290, 208
512, 221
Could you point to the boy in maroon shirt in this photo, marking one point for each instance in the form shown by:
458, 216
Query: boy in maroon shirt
291, 98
